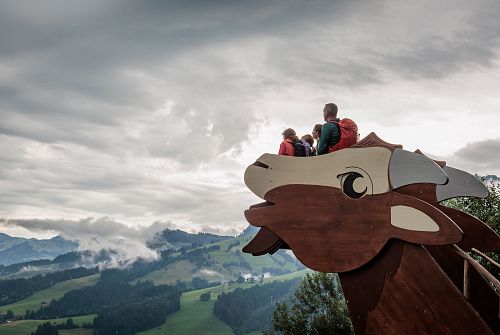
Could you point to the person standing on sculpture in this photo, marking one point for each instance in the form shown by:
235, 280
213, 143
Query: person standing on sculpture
330, 131
287, 146
316, 134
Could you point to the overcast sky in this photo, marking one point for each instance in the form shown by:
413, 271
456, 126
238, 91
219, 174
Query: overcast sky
142, 112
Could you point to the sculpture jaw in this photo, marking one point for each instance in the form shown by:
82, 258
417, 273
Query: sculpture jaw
320, 224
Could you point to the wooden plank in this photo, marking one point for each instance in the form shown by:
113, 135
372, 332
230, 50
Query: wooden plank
460, 184
476, 233
489, 259
482, 296
466, 280
420, 299
265, 241
321, 170
363, 286
343, 233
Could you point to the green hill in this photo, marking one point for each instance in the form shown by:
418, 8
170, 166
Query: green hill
25, 327
221, 262
34, 301
196, 317
218, 262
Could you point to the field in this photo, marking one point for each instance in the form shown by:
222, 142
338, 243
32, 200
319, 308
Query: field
227, 262
25, 327
196, 317
54, 292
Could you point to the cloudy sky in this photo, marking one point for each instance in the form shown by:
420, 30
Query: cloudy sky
132, 113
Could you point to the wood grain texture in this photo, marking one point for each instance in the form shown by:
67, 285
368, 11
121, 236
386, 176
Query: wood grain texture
265, 241
420, 299
363, 286
477, 234
331, 232
271, 171
482, 296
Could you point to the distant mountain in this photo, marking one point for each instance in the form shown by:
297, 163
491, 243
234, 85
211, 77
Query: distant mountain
176, 239
249, 231
492, 178
17, 250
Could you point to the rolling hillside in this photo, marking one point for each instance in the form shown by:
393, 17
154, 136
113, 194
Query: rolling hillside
196, 317
221, 262
187, 257
34, 301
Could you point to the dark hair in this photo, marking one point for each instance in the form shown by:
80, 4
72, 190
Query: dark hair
317, 128
288, 133
308, 138
331, 109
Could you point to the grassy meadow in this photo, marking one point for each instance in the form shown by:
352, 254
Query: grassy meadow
34, 301
196, 317
25, 327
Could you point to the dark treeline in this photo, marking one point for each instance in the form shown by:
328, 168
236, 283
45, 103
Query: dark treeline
13, 268
246, 310
46, 328
12, 290
106, 293
121, 308
179, 236
137, 316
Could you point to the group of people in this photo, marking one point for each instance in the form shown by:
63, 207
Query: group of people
333, 135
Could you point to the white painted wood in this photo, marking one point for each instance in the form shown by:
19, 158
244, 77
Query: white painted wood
409, 218
372, 163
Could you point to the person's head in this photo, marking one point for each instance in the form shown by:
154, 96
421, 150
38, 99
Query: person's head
330, 112
289, 134
309, 139
316, 133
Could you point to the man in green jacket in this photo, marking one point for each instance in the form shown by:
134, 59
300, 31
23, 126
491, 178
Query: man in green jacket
330, 132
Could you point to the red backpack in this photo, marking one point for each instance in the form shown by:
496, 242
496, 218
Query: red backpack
348, 134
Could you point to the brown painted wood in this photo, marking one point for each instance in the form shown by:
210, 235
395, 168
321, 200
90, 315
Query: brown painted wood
420, 299
466, 290
363, 286
482, 296
476, 233
372, 140
426, 192
264, 242
331, 232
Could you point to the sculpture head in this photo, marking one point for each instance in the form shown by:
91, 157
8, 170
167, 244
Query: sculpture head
337, 211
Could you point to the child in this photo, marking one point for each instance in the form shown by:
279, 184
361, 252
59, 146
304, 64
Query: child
287, 146
308, 142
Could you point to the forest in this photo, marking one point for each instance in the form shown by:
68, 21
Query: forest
12, 290
246, 310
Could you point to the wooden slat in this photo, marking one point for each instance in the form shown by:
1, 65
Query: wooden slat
420, 299
479, 268
489, 259
466, 280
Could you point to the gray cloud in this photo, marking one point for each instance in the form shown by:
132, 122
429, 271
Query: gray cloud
127, 243
477, 157
145, 110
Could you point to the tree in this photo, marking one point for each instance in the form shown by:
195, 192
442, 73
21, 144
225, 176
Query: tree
486, 210
9, 315
318, 308
46, 329
205, 296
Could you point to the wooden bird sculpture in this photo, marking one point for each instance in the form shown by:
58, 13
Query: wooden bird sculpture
371, 213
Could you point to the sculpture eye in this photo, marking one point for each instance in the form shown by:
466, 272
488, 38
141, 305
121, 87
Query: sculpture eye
352, 186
